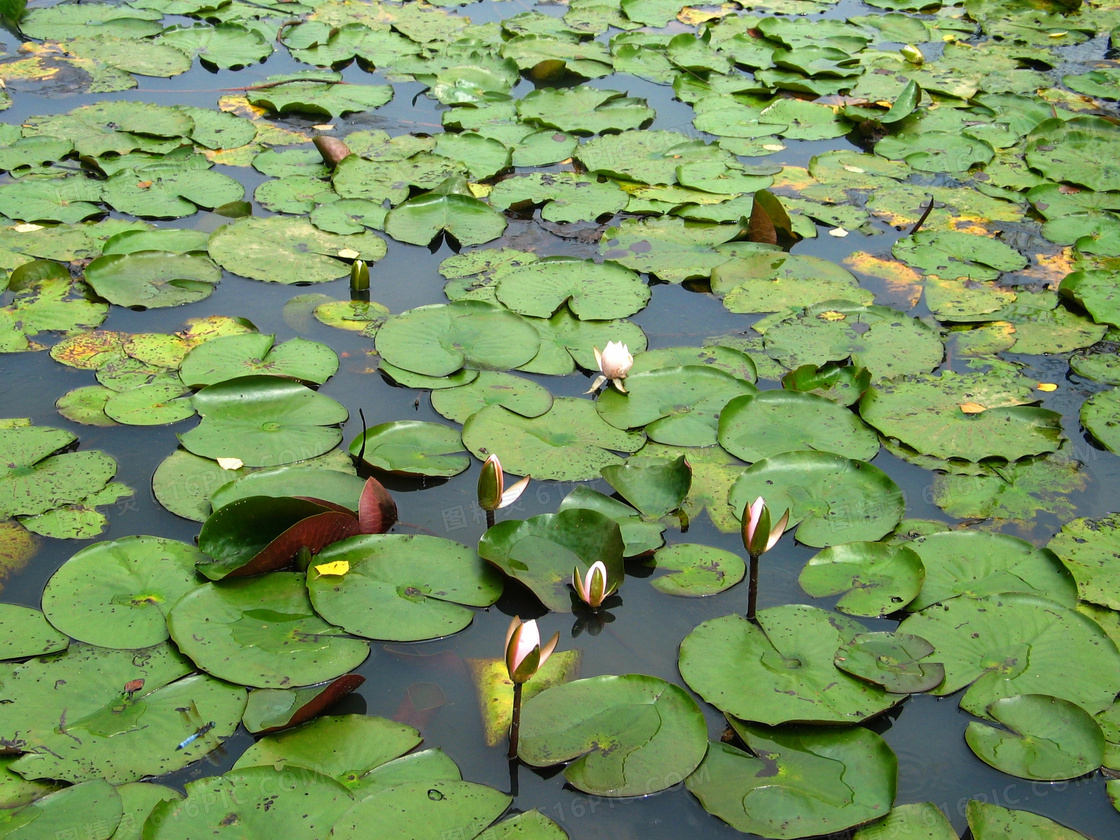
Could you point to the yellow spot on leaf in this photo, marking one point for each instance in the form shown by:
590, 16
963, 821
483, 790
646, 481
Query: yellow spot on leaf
972, 408
832, 315
230, 463
1047, 386
338, 567
349, 254
480, 190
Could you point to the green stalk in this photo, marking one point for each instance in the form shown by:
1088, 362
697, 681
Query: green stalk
515, 724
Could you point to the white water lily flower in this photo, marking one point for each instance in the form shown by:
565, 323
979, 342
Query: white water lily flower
614, 363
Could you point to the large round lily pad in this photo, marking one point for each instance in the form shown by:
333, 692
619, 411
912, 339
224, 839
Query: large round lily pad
401, 587
33, 480
1046, 738
1090, 549
26, 632
757, 426
898, 662
592, 291
542, 551
228, 357
265, 421
569, 442
442, 338
886, 342
117, 594
516, 393
412, 447
675, 405
831, 499
1083, 150
286, 249
422, 810
827, 780
872, 579
782, 671
1019, 644
976, 416
696, 570
153, 279
994, 822
261, 632
297, 804
976, 563
630, 735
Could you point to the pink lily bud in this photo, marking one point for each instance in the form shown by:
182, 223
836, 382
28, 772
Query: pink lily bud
593, 589
524, 653
758, 537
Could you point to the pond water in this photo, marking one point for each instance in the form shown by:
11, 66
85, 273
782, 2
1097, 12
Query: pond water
641, 632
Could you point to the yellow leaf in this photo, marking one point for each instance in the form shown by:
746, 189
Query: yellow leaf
338, 567
230, 463
903, 283
480, 190
972, 408
1047, 386
349, 254
832, 315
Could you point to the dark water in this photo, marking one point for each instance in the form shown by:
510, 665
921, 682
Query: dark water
644, 632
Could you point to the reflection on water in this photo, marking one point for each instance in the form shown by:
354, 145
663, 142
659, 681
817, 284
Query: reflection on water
646, 627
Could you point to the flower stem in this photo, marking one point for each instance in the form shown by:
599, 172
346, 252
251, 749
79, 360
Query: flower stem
515, 724
489, 519
752, 596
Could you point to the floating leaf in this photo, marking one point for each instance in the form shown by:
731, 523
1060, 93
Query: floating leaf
327, 95
914, 821
831, 779
654, 486
440, 339
569, 442
1016, 644
831, 499
153, 279
780, 670
1046, 738
228, 357
592, 291
993, 822
403, 587
523, 396
495, 688
420, 220
117, 594
639, 536
265, 421
35, 481
630, 735
271, 709
1088, 548
25, 632
696, 571
871, 579
412, 447
892, 660
543, 551
261, 632
71, 810
423, 810
756, 426
584, 110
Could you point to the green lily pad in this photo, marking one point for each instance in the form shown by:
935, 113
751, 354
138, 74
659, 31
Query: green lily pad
886, 342
343, 747
154, 404
830, 779
914, 821
1088, 548
319, 94
843, 384
231, 356
280, 249
757, 426
334, 486
261, 632
423, 810
831, 499
139, 800
564, 196
673, 249
45, 299
1003, 644
773, 281
566, 342
412, 447
300, 804
630, 735
679, 405
1082, 150
265, 421
1100, 414
440, 339
1047, 738
975, 564
464, 217
993, 822
516, 393
35, 480
871, 579
978, 416
92, 809
780, 671
892, 660
402, 587
655, 486
117, 594
584, 110
569, 442
153, 279
957, 254
26, 632
543, 551
592, 291
696, 571
727, 359
272, 709
639, 536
